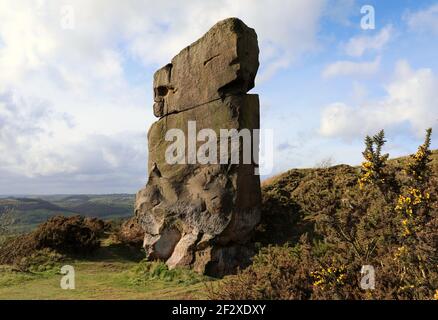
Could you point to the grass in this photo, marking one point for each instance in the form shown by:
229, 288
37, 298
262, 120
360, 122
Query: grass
112, 273
95, 280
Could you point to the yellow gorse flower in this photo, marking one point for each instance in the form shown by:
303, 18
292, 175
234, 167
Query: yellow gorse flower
329, 277
408, 203
400, 252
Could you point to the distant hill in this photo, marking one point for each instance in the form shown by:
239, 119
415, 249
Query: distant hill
27, 204
30, 211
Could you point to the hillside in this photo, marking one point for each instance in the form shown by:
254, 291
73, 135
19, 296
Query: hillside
292, 198
320, 227
30, 211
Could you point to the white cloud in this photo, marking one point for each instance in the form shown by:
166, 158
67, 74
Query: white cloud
411, 98
351, 68
424, 20
37, 141
357, 46
78, 89
286, 29
110, 65
24, 129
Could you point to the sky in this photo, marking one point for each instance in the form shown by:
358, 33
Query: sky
76, 83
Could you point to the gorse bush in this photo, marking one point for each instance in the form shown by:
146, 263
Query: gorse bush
373, 168
74, 235
418, 168
338, 221
417, 254
278, 272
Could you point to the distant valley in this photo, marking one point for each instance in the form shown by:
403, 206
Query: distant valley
29, 211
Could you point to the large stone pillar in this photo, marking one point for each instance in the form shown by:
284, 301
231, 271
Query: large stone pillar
193, 214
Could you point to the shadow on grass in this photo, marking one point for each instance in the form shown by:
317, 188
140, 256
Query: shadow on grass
114, 252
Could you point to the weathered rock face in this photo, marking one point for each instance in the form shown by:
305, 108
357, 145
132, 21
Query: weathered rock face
202, 215
223, 61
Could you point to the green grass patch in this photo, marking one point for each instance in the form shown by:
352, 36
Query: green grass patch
120, 280
146, 271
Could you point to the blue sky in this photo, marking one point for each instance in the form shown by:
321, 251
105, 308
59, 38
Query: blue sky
76, 83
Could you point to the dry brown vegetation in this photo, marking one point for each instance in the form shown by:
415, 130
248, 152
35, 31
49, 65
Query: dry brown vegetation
64, 235
130, 233
335, 220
